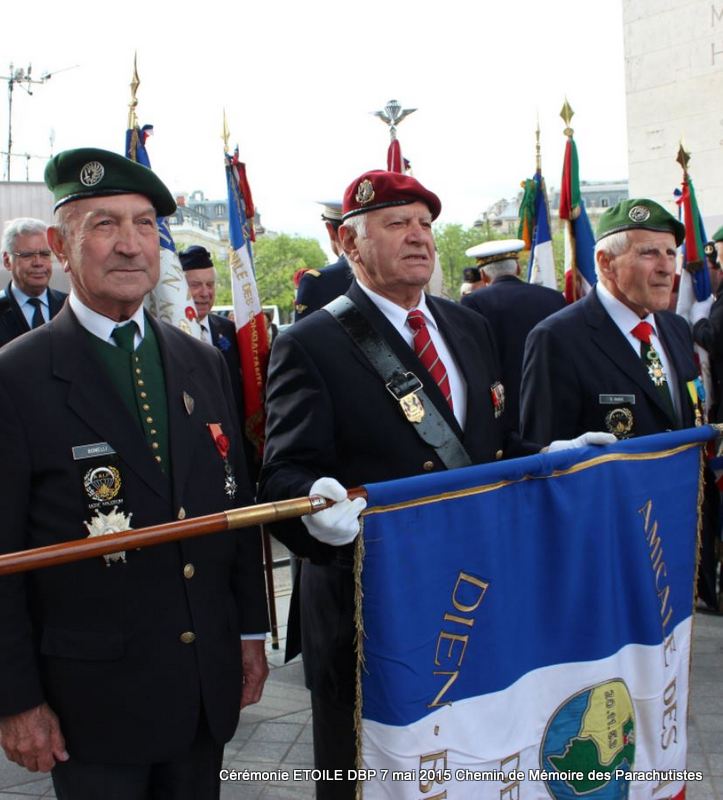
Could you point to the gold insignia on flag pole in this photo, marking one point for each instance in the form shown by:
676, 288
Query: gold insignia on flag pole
225, 133
132, 117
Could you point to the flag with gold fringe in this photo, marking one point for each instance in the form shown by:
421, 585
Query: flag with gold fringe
517, 639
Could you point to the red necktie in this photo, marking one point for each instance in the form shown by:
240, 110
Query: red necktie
427, 354
643, 331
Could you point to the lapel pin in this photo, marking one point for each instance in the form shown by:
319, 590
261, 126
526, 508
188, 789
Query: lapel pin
189, 403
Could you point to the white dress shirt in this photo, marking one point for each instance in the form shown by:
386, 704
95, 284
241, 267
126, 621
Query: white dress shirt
397, 317
102, 326
28, 308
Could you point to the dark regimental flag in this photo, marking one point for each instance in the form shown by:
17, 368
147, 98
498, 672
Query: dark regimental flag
525, 626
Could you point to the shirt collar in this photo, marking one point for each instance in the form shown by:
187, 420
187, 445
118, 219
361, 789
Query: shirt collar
625, 318
23, 298
102, 326
395, 313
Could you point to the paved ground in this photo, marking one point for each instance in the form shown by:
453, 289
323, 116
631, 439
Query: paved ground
276, 734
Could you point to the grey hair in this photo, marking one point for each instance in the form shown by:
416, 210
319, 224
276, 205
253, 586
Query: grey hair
506, 266
614, 245
22, 226
358, 223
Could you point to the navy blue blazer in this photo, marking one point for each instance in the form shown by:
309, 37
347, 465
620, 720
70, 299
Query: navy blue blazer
12, 319
581, 374
513, 308
319, 287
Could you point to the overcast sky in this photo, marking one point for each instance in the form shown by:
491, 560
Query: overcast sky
299, 80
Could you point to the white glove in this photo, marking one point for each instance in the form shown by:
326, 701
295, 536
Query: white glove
700, 310
338, 524
591, 437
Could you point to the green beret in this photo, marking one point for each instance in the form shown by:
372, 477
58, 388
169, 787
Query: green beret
639, 213
90, 172
718, 235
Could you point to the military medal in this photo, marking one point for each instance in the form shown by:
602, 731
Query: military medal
223, 445
655, 368
497, 390
103, 524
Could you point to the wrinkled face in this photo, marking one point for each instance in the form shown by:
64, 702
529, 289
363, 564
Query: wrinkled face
110, 247
202, 285
642, 277
395, 257
30, 263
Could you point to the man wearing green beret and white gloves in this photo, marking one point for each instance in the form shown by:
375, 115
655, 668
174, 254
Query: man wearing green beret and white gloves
616, 360
122, 674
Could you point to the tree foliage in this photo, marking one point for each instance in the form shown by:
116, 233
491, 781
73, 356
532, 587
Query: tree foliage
276, 259
452, 240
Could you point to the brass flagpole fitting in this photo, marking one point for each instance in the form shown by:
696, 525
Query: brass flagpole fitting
567, 114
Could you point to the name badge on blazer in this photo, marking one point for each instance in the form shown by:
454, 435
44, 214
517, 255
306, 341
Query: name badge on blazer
616, 399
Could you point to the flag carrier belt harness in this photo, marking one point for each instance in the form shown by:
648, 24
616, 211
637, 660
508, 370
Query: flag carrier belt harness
404, 386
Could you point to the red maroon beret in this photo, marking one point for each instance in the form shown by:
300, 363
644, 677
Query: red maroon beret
381, 189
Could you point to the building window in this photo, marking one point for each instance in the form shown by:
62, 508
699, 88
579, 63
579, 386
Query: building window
220, 210
604, 202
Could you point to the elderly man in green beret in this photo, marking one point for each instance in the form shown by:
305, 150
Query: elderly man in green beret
615, 360
123, 674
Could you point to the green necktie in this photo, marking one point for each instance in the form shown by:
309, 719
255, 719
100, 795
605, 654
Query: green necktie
124, 336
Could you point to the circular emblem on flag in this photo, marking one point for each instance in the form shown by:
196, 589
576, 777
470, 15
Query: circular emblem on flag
364, 192
102, 483
639, 214
91, 173
591, 734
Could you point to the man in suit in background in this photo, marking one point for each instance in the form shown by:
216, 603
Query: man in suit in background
27, 302
318, 287
123, 675
511, 306
219, 331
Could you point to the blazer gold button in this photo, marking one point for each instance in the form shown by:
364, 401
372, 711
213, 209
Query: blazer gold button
189, 571
188, 637
498, 455
428, 466
181, 513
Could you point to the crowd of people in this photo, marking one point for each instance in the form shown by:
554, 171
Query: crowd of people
124, 675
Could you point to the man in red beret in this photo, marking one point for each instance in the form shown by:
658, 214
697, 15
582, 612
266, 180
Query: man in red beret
385, 383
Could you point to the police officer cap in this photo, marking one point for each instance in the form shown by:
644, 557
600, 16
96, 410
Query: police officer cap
718, 235
381, 189
332, 210
495, 250
90, 172
195, 257
639, 213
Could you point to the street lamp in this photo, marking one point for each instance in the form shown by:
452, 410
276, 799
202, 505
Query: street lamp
22, 78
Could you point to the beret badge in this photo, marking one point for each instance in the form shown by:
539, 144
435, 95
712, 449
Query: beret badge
91, 173
639, 214
365, 192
